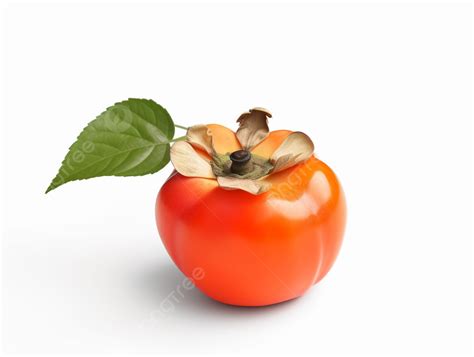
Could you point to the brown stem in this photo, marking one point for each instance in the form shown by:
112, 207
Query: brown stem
241, 162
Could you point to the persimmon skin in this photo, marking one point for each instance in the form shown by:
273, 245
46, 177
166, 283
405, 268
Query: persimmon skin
254, 250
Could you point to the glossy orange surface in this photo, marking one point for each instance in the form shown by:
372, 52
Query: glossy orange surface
254, 250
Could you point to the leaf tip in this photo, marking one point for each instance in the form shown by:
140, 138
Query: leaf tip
50, 188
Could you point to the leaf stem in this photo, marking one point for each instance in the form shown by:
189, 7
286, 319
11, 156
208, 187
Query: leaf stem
181, 127
178, 139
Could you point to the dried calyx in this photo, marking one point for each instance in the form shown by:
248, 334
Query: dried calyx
240, 169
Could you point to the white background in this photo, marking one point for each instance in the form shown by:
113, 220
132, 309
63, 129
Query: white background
384, 90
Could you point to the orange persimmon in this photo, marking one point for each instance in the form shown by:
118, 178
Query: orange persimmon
254, 249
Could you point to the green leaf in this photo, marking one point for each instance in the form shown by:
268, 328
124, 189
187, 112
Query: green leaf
130, 138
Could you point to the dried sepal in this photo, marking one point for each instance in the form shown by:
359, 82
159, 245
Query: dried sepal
200, 136
188, 162
255, 187
253, 127
189, 158
296, 148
